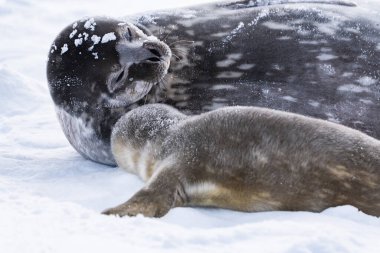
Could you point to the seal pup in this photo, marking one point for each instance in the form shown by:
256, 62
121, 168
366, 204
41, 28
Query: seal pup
319, 58
244, 158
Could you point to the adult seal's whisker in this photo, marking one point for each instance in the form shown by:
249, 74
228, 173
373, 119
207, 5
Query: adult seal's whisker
244, 158
103, 65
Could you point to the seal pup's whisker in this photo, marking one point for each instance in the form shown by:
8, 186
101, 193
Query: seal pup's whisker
166, 36
164, 83
162, 32
117, 81
269, 61
180, 52
181, 41
176, 56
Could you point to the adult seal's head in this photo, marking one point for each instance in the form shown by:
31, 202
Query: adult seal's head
97, 67
106, 62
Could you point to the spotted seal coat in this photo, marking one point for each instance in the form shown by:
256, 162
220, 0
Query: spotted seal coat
244, 158
318, 59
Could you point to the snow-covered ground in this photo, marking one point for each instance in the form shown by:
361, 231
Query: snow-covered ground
51, 198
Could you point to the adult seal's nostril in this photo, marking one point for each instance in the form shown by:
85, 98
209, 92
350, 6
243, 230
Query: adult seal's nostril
155, 53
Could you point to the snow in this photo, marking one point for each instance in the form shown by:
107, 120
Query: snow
95, 55
366, 81
51, 198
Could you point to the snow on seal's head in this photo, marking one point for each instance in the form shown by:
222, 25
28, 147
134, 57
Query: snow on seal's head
105, 63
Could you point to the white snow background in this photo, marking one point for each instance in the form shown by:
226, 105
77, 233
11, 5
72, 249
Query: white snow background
51, 198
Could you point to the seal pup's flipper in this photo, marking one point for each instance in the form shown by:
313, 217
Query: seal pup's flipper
258, 3
162, 193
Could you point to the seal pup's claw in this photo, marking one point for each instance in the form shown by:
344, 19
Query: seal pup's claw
145, 202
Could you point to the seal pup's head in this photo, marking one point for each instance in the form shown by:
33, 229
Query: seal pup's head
138, 135
105, 62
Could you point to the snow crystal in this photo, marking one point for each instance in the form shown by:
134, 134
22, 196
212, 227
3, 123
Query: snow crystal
290, 99
309, 42
229, 74
108, 37
95, 39
64, 49
238, 28
261, 15
230, 60
314, 103
223, 87
75, 25
326, 57
328, 69
54, 47
225, 63
246, 66
95, 55
347, 74
234, 32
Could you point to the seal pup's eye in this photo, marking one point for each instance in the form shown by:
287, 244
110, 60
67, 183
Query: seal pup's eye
129, 35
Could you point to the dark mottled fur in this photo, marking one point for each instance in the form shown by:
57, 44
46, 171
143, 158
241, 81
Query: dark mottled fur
285, 63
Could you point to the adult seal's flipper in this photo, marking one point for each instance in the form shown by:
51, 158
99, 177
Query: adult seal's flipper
315, 58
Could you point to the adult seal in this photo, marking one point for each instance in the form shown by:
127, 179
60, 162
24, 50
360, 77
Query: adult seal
96, 69
244, 158
316, 58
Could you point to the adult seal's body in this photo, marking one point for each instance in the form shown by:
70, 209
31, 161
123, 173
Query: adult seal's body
244, 158
319, 59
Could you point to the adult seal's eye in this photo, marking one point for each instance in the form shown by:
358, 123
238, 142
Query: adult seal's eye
129, 34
